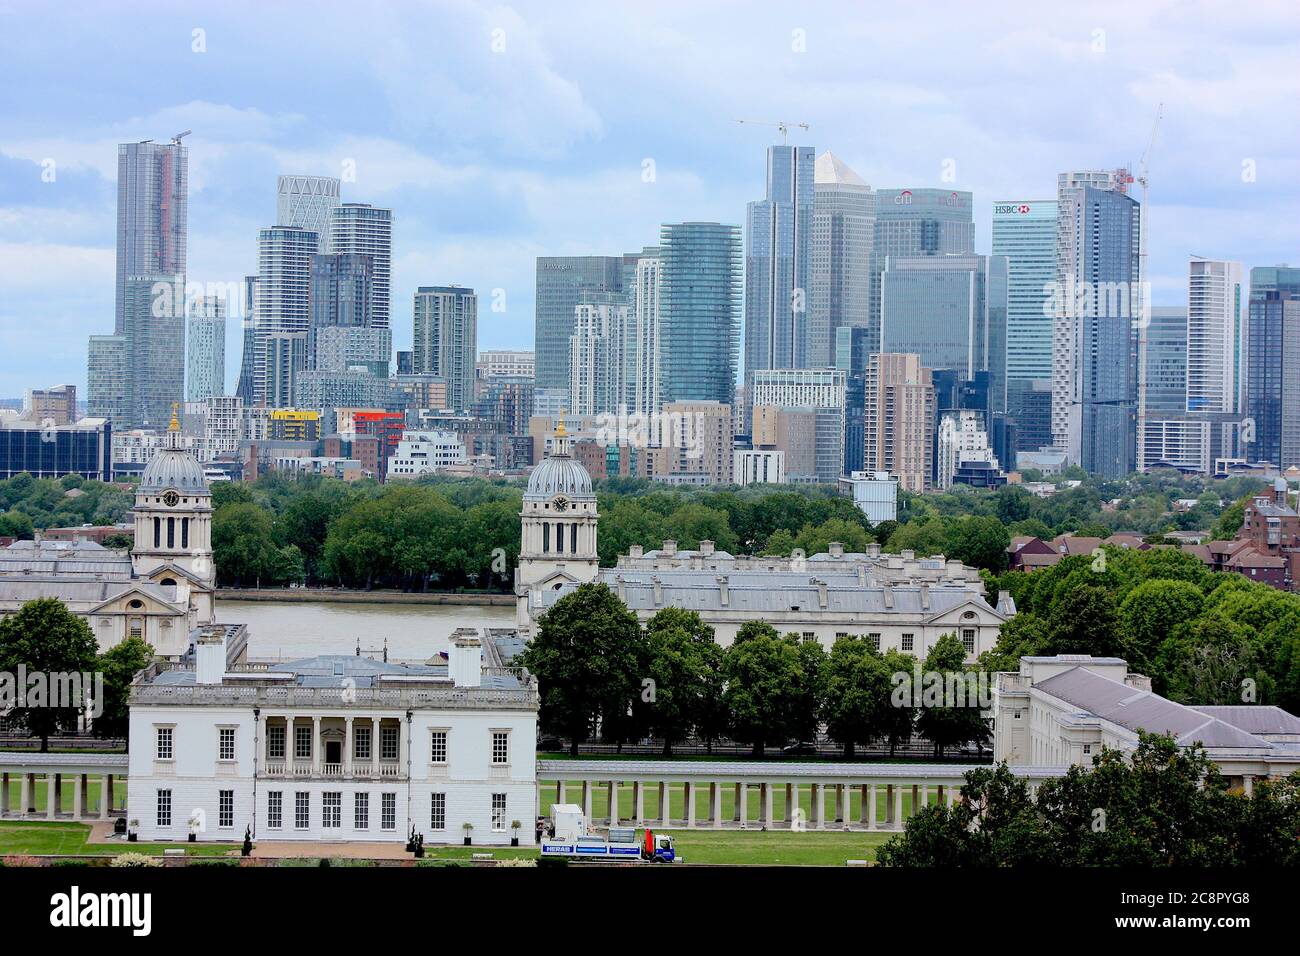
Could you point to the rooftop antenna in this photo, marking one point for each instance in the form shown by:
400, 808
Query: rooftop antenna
781, 125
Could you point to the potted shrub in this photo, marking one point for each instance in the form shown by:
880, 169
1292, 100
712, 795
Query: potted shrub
467, 827
131, 832
419, 846
515, 825
196, 821
247, 848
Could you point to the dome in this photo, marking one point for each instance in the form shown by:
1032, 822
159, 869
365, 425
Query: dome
558, 475
173, 468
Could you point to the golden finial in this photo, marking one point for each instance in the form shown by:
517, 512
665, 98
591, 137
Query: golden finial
175, 426
559, 426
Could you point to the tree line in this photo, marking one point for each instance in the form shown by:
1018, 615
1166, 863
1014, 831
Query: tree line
1163, 806
601, 672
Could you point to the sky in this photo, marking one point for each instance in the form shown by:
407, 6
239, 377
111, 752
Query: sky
498, 133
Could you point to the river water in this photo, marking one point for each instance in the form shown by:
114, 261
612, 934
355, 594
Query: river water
415, 632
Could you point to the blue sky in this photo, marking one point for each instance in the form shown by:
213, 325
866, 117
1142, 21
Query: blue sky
502, 132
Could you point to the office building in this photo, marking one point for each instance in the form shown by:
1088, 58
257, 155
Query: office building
446, 339
1271, 432
778, 233
699, 311
422, 453
106, 378
596, 352
916, 222
152, 215
205, 349
695, 444
821, 394
758, 466
307, 202
154, 330
843, 231
366, 230
505, 363
281, 307
961, 441
44, 449
56, 405
343, 333
642, 392
899, 419
561, 282
1096, 300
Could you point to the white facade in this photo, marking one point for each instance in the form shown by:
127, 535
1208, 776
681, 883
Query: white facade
334, 748
596, 380
961, 439
506, 363
423, 453
874, 492
307, 202
756, 466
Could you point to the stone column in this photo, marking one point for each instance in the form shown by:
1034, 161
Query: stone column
665, 804
791, 801
1248, 784
108, 792
51, 794
25, 795
817, 792
841, 810
404, 745
78, 795
870, 804
613, 803
689, 798
347, 746
4, 794
374, 746
954, 794
742, 804
559, 791
586, 801
315, 746
638, 803
897, 821
289, 750
715, 804
737, 815
765, 795
103, 796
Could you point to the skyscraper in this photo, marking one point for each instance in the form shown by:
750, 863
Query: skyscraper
152, 214
699, 311
820, 393
1024, 231
916, 222
641, 352
343, 333
561, 281
307, 202
777, 236
362, 229
1167, 436
205, 349
154, 328
596, 360
1097, 300
446, 339
898, 432
282, 307
1271, 432
106, 378
843, 232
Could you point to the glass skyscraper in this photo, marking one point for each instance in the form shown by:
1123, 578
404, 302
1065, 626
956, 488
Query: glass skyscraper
1025, 232
843, 230
446, 339
561, 282
1273, 366
362, 229
152, 214
777, 237
699, 311
205, 349
307, 202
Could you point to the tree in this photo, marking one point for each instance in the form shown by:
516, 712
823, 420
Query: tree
980, 542
684, 660
1213, 661
44, 638
119, 665
855, 685
243, 546
762, 675
956, 718
1083, 621
817, 540
588, 655
1150, 613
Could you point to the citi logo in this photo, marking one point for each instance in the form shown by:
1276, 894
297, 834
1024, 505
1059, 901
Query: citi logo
74, 909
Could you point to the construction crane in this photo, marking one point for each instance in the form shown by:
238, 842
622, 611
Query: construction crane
783, 126
176, 140
1145, 318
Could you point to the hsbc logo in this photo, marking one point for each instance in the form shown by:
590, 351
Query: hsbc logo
1011, 209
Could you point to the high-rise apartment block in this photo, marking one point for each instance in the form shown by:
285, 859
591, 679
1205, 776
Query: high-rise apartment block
899, 419
699, 311
446, 339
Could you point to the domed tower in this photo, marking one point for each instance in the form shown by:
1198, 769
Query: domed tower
558, 540
173, 520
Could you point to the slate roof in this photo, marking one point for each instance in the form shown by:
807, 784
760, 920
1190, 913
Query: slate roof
1135, 710
1254, 718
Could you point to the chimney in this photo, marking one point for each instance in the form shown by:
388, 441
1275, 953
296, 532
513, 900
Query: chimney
873, 550
887, 595
1006, 605
836, 549
925, 597
465, 658
955, 570
659, 590
1279, 491
621, 587
821, 592
669, 547
635, 551
907, 555
706, 548
725, 595
862, 575
210, 658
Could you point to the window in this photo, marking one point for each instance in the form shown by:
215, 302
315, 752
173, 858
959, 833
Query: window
438, 812
968, 639
874, 640
1087, 748
908, 642
164, 808
839, 634
301, 810
302, 743
226, 743
500, 747
387, 743
546, 537
809, 636
388, 811
361, 811
275, 809
226, 808
331, 810
164, 743
275, 743
361, 743
438, 748
498, 812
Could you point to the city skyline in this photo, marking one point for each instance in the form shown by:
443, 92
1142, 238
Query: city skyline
532, 152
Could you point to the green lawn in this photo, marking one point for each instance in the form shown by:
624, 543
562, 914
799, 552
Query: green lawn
677, 801
35, 838
66, 794
776, 848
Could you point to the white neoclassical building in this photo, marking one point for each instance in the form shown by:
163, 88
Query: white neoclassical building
1060, 711
334, 748
897, 601
161, 592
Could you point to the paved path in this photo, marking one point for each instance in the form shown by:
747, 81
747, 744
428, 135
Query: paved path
350, 850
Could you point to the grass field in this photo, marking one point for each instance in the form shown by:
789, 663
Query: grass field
37, 838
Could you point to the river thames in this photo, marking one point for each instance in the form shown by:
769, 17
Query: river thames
287, 630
